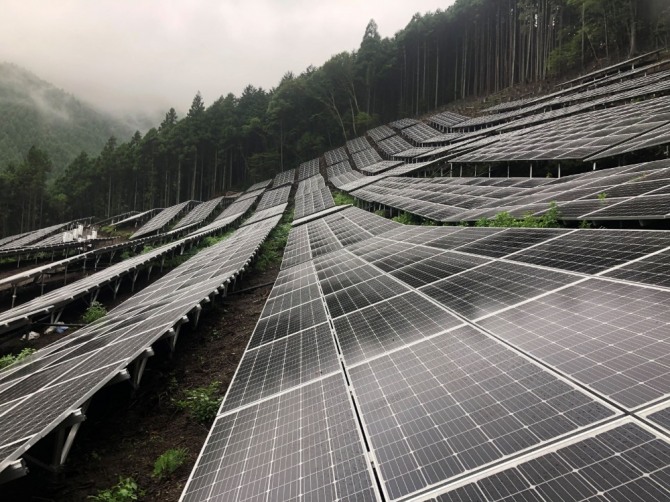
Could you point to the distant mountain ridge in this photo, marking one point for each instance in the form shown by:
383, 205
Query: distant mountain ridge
35, 112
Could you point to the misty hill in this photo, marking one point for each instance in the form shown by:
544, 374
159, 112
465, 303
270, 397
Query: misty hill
34, 112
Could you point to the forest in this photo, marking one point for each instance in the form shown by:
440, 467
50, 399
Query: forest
471, 49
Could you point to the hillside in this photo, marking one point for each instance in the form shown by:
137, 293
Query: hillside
34, 112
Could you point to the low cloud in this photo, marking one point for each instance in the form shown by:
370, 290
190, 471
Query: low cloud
140, 58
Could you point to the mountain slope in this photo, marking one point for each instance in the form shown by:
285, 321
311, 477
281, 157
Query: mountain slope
34, 112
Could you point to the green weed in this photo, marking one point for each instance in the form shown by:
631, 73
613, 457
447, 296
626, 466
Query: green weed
169, 462
94, 312
126, 490
201, 403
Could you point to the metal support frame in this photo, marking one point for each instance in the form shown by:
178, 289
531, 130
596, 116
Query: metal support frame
55, 315
64, 436
135, 273
137, 367
15, 470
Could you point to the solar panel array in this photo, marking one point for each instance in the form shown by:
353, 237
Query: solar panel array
394, 145
446, 120
342, 173
274, 197
630, 192
335, 156
199, 213
61, 377
312, 197
367, 157
379, 133
357, 144
308, 169
482, 363
28, 238
284, 178
161, 220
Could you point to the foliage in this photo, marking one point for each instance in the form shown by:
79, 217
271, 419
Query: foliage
9, 359
202, 403
550, 219
94, 312
342, 198
602, 196
126, 490
169, 462
408, 219
147, 249
272, 250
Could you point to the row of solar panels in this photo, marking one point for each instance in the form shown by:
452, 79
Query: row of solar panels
638, 192
271, 204
39, 394
483, 364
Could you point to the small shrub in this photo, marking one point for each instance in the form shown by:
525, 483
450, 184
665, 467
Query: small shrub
342, 198
146, 249
126, 490
169, 462
407, 219
202, 402
602, 196
94, 312
11, 359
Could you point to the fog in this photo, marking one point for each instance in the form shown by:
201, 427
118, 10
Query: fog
142, 57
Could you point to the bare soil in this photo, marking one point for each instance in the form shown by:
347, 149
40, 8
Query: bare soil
125, 432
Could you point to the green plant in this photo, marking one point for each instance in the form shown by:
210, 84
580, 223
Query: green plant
550, 219
407, 219
272, 249
169, 462
8, 359
342, 198
602, 196
585, 224
146, 249
380, 212
126, 490
94, 312
202, 402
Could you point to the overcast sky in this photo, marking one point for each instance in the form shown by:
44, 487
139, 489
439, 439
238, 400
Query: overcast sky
149, 55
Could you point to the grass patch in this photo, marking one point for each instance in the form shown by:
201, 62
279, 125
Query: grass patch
10, 359
342, 198
126, 490
272, 249
169, 462
201, 403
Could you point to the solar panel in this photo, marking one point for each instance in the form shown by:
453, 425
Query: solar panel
379, 133
654, 270
390, 324
199, 213
308, 169
161, 220
593, 251
282, 365
482, 291
274, 197
358, 144
254, 452
626, 462
607, 335
437, 267
284, 178
459, 401
510, 241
